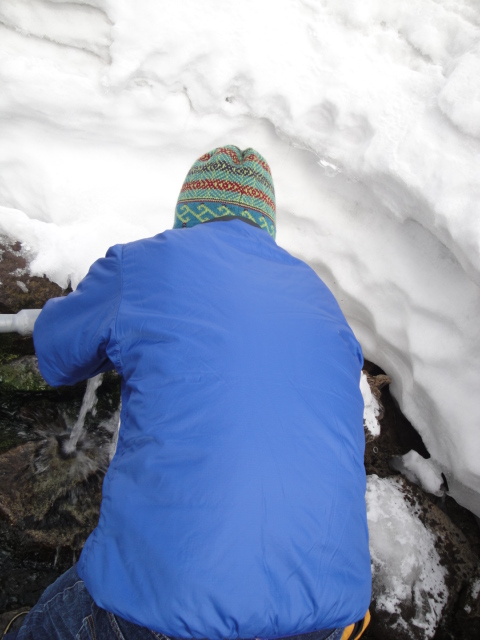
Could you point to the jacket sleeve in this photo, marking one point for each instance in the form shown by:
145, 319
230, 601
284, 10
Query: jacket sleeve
74, 336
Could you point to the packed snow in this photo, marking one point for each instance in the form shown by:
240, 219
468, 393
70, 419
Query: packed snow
368, 112
422, 472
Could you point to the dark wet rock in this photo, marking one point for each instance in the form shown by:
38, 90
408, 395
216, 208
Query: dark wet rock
53, 500
49, 503
463, 621
467, 616
397, 434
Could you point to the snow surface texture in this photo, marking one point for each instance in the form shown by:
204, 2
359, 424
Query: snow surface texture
406, 567
368, 112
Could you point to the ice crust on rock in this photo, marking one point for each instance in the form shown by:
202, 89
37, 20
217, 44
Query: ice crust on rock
408, 578
367, 112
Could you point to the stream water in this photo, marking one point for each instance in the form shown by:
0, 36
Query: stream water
88, 404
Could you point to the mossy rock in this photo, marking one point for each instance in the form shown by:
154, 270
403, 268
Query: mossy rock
22, 374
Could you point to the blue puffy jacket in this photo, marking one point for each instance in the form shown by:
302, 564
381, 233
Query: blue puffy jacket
234, 505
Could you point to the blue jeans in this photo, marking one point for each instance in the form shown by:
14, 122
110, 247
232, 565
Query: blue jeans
67, 612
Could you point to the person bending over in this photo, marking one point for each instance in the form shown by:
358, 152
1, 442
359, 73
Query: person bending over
234, 506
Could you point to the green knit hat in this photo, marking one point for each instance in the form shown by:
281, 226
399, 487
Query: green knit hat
228, 182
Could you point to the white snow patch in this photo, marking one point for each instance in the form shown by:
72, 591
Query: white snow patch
476, 589
371, 409
406, 566
420, 471
460, 97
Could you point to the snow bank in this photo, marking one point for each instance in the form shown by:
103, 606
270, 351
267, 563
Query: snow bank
367, 112
408, 578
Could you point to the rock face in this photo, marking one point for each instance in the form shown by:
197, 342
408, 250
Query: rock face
50, 500
407, 603
19, 290
419, 575
22, 374
466, 619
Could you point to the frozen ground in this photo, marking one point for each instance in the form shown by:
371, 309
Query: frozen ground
369, 114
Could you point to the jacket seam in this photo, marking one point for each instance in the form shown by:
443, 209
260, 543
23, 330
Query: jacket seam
61, 593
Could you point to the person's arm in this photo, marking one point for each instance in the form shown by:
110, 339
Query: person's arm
74, 336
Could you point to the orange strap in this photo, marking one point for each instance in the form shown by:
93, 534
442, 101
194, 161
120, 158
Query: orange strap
354, 631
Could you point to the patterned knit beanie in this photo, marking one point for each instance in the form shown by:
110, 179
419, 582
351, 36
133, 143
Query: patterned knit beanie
228, 182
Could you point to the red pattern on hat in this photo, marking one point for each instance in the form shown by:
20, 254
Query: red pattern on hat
226, 185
